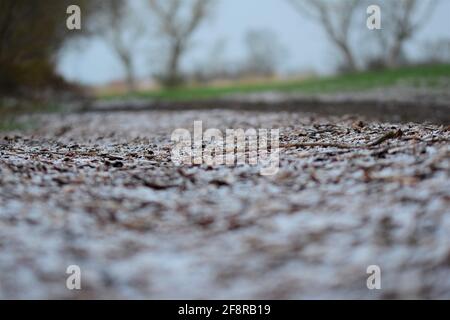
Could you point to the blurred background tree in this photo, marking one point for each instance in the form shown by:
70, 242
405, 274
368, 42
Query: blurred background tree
264, 53
177, 22
336, 18
122, 29
401, 20
31, 35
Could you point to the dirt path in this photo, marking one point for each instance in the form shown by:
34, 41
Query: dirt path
99, 191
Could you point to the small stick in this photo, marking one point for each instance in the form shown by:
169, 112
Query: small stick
388, 136
319, 144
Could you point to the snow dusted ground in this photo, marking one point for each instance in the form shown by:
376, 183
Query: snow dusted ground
99, 191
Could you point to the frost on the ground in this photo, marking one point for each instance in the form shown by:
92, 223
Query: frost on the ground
100, 191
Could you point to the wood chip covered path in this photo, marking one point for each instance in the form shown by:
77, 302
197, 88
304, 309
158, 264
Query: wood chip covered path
100, 191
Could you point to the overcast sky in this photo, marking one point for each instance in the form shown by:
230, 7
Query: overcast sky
306, 46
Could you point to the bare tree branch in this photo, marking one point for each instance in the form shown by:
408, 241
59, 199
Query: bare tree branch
120, 27
336, 18
403, 20
178, 20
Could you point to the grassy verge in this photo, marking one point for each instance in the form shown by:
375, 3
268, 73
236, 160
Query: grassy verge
10, 124
412, 76
11, 114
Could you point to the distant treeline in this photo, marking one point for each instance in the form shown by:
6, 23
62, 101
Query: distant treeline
33, 32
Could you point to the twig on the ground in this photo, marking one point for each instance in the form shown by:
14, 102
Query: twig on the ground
388, 136
319, 144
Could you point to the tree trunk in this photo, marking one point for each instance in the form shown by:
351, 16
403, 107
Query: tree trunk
348, 56
131, 83
393, 58
129, 72
173, 77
